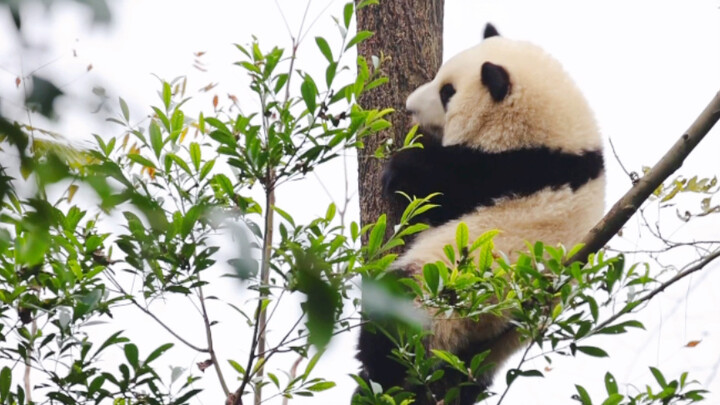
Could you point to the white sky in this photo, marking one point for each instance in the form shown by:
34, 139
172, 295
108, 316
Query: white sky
647, 67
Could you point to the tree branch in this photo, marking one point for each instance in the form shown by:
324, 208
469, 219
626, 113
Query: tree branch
626, 207
153, 316
265, 281
167, 328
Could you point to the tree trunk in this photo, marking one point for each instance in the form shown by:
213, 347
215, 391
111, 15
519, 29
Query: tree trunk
409, 35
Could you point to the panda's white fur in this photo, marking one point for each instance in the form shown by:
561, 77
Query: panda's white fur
544, 110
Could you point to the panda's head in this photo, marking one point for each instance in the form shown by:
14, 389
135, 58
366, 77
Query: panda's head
503, 95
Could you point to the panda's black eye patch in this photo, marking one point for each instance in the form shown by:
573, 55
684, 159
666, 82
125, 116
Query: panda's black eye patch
446, 92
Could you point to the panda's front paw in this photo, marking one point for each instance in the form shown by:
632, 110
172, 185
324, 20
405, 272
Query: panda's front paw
390, 179
399, 173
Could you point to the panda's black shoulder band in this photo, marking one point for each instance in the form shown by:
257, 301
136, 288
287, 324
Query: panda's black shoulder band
469, 178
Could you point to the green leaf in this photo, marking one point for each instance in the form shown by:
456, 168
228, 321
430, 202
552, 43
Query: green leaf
449, 253
431, 276
309, 93
324, 48
225, 184
158, 352
412, 229
285, 216
485, 257
376, 236
131, 354
330, 76
461, 236
156, 138
347, 14
195, 154
274, 379
176, 159
311, 365
240, 369
592, 351
451, 359
583, 396
359, 37
330, 213
96, 384
610, 384
557, 311
532, 373
620, 328
207, 167
5, 381
613, 399
183, 399
594, 310
115, 338
125, 109
321, 386
191, 218
137, 158
659, 377
366, 3
166, 95
511, 375
220, 126
281, 79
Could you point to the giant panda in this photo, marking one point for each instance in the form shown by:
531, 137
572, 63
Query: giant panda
512, 144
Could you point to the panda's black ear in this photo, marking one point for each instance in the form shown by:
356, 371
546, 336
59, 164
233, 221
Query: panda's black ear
496, 79
490, 31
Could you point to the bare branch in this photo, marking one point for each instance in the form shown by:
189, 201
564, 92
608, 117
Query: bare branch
153, 316
626, 207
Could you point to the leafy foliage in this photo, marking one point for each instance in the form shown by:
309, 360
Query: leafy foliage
182, 183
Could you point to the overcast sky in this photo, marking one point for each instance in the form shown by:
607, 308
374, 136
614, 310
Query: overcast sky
647, 68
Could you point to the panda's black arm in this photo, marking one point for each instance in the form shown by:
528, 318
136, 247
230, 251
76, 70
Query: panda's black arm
457, 172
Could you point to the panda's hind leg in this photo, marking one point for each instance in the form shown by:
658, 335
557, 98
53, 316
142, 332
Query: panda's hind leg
374, 352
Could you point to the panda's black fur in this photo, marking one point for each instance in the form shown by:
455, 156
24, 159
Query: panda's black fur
467, 178
473, 180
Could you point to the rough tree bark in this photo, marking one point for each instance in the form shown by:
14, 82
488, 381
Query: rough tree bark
409, 34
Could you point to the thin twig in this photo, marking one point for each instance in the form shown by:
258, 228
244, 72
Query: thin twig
522, 360
617, 158
211, 350
251, 357
158, 320
269, 352
317, 17
167, 328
